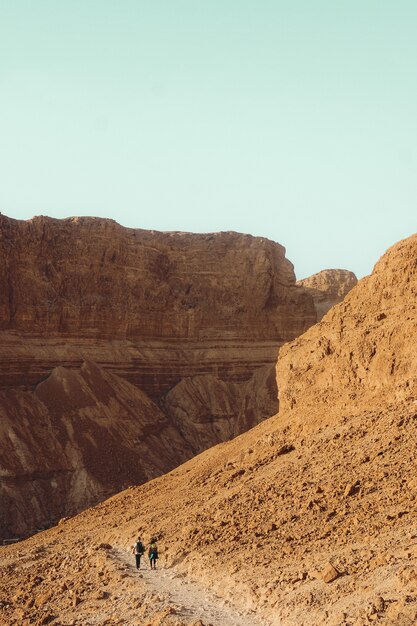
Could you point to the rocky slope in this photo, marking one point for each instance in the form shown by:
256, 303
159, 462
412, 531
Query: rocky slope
363, 348
86, 433
124, 352
307, 519
328, 287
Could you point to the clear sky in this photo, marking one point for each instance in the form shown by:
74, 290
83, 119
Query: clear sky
294, 120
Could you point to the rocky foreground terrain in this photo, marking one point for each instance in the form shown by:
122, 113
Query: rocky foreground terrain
307, 519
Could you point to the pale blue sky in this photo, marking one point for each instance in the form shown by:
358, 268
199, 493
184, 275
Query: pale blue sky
294, 120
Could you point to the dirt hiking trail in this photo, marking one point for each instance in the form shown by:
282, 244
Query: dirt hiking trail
187, 599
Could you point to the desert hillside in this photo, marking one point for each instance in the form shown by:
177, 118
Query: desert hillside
307, 519
363, 350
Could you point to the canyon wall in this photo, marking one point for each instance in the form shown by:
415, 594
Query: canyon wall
124, 352
153, 307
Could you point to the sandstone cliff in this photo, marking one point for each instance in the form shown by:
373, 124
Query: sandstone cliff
124, 352
88, 277
328, 288
309, 518
153, 307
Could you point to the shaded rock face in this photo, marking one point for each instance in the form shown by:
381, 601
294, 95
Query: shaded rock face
206, 409
308, 518
80, 436
328, 288
84, 434
123, 352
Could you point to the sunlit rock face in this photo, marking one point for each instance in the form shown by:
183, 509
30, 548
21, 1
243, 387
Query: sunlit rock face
155, 307
363, 348
124, 352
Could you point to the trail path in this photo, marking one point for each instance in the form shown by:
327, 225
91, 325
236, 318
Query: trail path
190, 600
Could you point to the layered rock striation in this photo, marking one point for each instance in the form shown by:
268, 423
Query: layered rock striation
155, 307
123, 352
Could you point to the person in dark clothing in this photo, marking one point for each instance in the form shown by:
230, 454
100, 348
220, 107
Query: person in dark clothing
138, 551
153, 553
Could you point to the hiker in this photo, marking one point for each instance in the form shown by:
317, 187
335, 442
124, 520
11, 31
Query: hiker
138, 551
153, 553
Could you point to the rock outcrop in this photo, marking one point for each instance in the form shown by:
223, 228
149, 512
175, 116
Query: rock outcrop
328, 288
308, 518
124, 352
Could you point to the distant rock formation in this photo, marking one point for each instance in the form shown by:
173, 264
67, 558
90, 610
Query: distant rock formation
124, 352
328, 288
206, 409
81, 435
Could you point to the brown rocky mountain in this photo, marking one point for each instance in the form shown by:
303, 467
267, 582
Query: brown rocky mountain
307, 519
328, 287
124, 352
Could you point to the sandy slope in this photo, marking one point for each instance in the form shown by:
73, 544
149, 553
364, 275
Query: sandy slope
254, 522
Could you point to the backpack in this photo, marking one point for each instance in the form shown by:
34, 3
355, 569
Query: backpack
139, 548
153, 551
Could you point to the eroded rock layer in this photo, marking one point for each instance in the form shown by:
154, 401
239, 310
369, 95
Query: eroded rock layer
97, 322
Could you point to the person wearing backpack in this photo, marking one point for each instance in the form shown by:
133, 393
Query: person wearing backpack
138, 551
153, 553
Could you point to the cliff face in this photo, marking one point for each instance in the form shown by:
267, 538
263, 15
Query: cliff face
88, 277
156, 307
308, 518
328, 288
109, 334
